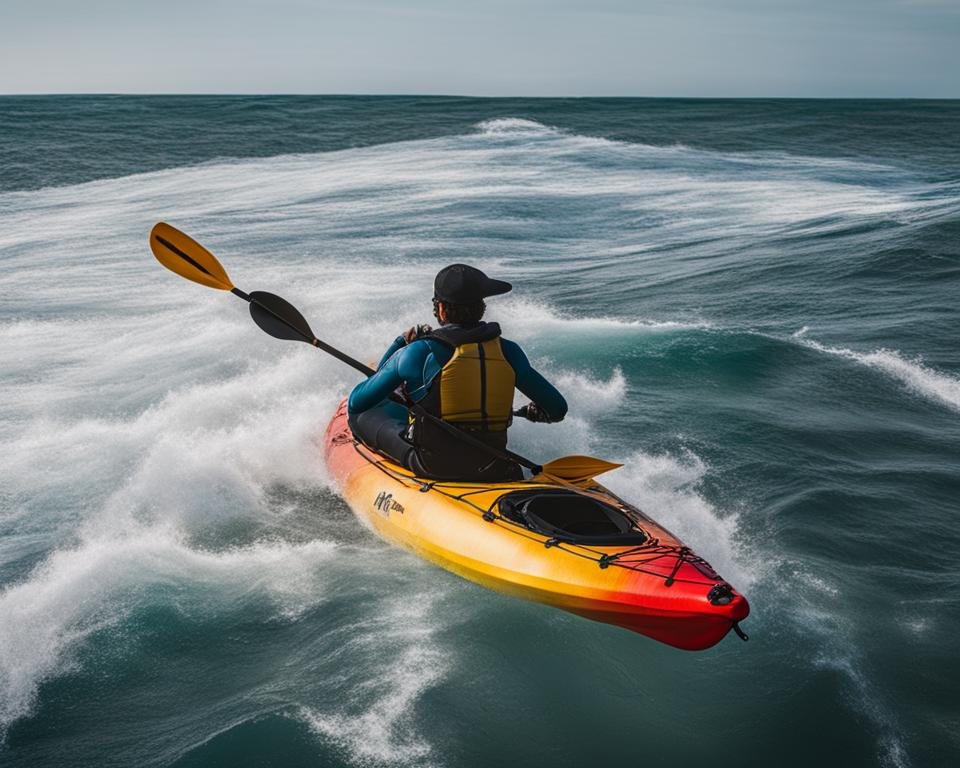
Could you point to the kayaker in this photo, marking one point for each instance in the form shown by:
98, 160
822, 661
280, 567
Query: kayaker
463, 372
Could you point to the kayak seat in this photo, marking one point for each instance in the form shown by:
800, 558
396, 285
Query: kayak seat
571, 517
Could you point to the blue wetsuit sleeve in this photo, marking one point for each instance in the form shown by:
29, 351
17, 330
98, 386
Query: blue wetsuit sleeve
372, 390
404, 365
398, 343
533, 384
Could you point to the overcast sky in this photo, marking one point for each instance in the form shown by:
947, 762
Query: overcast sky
484, 47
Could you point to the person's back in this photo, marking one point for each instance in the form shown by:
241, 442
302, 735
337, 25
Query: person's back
464, 373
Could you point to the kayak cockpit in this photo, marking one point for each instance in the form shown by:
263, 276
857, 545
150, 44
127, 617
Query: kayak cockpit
571, 517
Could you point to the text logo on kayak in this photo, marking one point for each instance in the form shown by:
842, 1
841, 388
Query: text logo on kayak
386, 504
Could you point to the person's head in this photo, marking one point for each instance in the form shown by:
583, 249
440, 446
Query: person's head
460, 314
459, 291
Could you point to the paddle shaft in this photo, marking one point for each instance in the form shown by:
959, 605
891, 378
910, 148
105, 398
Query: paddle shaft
416, 409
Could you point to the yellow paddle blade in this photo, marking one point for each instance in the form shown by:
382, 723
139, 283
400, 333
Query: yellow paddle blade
578, 469
182, 254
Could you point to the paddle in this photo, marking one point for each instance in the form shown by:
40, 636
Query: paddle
183, 255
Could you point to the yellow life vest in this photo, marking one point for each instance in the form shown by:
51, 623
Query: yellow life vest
476, 387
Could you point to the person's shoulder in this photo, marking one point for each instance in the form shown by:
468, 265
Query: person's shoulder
512, 351
507, 343
416, 350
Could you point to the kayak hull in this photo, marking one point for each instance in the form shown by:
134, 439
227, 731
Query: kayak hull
659, 589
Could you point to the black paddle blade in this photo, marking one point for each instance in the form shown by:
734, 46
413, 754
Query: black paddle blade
279, 317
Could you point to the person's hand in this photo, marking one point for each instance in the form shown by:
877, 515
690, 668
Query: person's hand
533, 412
416, 332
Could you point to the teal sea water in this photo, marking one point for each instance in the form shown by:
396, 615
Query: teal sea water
752, 304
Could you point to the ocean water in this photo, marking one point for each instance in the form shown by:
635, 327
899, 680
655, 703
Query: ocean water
752, 304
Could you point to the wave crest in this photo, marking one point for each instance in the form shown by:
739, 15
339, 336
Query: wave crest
499, 126
918, 378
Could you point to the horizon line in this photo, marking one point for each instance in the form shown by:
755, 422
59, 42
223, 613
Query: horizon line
239, 94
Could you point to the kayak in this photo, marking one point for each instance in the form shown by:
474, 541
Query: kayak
572, 545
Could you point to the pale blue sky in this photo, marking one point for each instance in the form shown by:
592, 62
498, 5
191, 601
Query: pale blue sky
486, 47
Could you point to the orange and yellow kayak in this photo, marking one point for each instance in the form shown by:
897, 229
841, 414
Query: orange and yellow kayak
573, 546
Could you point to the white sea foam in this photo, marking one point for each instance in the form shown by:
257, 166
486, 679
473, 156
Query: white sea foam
821, 616
137, 486
501, 125
588, 397
79, 591
665, 487
892, 752
592, 395
402, 659
919, 625
921, 380
529, 319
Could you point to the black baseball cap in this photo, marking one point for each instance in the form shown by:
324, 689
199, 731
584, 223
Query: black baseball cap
463, 284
